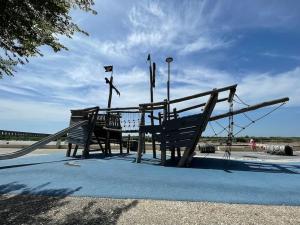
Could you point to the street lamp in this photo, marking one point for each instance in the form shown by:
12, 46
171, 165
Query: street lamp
168, 60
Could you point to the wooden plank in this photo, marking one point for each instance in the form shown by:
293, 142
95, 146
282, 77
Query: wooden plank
80, 142
130, 131
112, 129
157, 137
183, 122
180, 136
150, 129
201, 127
180, 143
176, 136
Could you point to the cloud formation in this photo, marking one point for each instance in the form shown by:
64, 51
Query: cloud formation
208, 41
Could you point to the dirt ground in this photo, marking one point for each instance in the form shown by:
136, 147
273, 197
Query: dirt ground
24, 209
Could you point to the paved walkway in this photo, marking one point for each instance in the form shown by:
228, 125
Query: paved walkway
215, 180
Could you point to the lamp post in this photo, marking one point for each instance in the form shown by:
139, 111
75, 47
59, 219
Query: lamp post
168, 60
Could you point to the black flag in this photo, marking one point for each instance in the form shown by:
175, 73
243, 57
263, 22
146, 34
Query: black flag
148, 58
108, 68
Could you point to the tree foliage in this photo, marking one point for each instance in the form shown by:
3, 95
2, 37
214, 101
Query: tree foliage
25, 25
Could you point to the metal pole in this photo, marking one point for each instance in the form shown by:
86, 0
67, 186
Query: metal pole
168, 82
168, 60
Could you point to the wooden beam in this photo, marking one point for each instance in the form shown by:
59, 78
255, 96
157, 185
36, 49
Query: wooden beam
231, 94
119, 108
154, 117
203, 94
198, 106
227, 88
249, 108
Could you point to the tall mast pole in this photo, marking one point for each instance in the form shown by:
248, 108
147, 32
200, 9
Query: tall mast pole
110, 92
151, 77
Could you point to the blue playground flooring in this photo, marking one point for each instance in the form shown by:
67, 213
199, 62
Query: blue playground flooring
214, 180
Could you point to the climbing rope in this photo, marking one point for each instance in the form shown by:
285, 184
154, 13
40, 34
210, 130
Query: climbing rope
217, 133
259, 118
240, 100
232, 124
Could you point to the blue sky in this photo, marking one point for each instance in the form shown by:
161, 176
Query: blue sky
213, 43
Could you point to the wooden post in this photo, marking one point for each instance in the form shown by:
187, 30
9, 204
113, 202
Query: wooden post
178, 148
159, 118
75, 150
141, 143
68, 153
173, 148
128, 144
107, 140
163, 138
121, 145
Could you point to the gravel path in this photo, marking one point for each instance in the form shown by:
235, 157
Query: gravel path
28, 209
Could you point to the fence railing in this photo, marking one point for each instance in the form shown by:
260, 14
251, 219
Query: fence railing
21, 134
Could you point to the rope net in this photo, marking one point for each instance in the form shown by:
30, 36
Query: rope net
229, 129
130, 121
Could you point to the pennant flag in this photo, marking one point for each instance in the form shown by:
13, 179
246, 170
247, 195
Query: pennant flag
153, 74
108, 68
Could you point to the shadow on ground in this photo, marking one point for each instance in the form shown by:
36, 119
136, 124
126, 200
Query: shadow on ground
238, 165
33, 164
226, 165
212, 163
50, 206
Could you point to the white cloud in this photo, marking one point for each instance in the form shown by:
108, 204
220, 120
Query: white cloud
260, 87
17, 90
276, 55
204, 44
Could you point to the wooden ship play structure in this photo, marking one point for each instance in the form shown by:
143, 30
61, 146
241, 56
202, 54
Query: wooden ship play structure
177, 131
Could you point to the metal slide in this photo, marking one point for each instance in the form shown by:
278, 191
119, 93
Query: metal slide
42, 142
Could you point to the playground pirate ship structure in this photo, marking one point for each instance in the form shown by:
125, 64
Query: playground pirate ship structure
175, 130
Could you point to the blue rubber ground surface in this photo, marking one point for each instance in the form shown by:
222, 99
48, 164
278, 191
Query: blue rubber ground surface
214, 180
